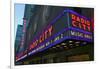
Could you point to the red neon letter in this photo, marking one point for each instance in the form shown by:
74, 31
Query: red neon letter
50, 31
78, 19
73, 16
82, 20
46, 34
74, 23
41, 38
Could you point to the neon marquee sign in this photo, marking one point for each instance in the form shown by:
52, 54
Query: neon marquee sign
75, 27
80, 22
42, 37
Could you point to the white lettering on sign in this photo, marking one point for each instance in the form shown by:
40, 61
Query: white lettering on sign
80, 34
76, 33
47, 44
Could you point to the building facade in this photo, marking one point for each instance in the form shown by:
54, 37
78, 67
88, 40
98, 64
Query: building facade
18, 38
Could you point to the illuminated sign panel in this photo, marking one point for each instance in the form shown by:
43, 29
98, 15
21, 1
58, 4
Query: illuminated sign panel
42, 37
54, 27
80, 22
57, 38
67, 25
80, 27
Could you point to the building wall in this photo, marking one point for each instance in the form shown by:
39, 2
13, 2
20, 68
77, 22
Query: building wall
18, 38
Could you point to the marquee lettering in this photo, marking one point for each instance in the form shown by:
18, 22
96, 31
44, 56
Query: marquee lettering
80, 22
42, 37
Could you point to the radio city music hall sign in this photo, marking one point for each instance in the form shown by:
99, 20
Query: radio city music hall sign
80, 22
75, 21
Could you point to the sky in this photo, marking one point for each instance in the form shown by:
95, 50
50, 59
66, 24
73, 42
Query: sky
19, 13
